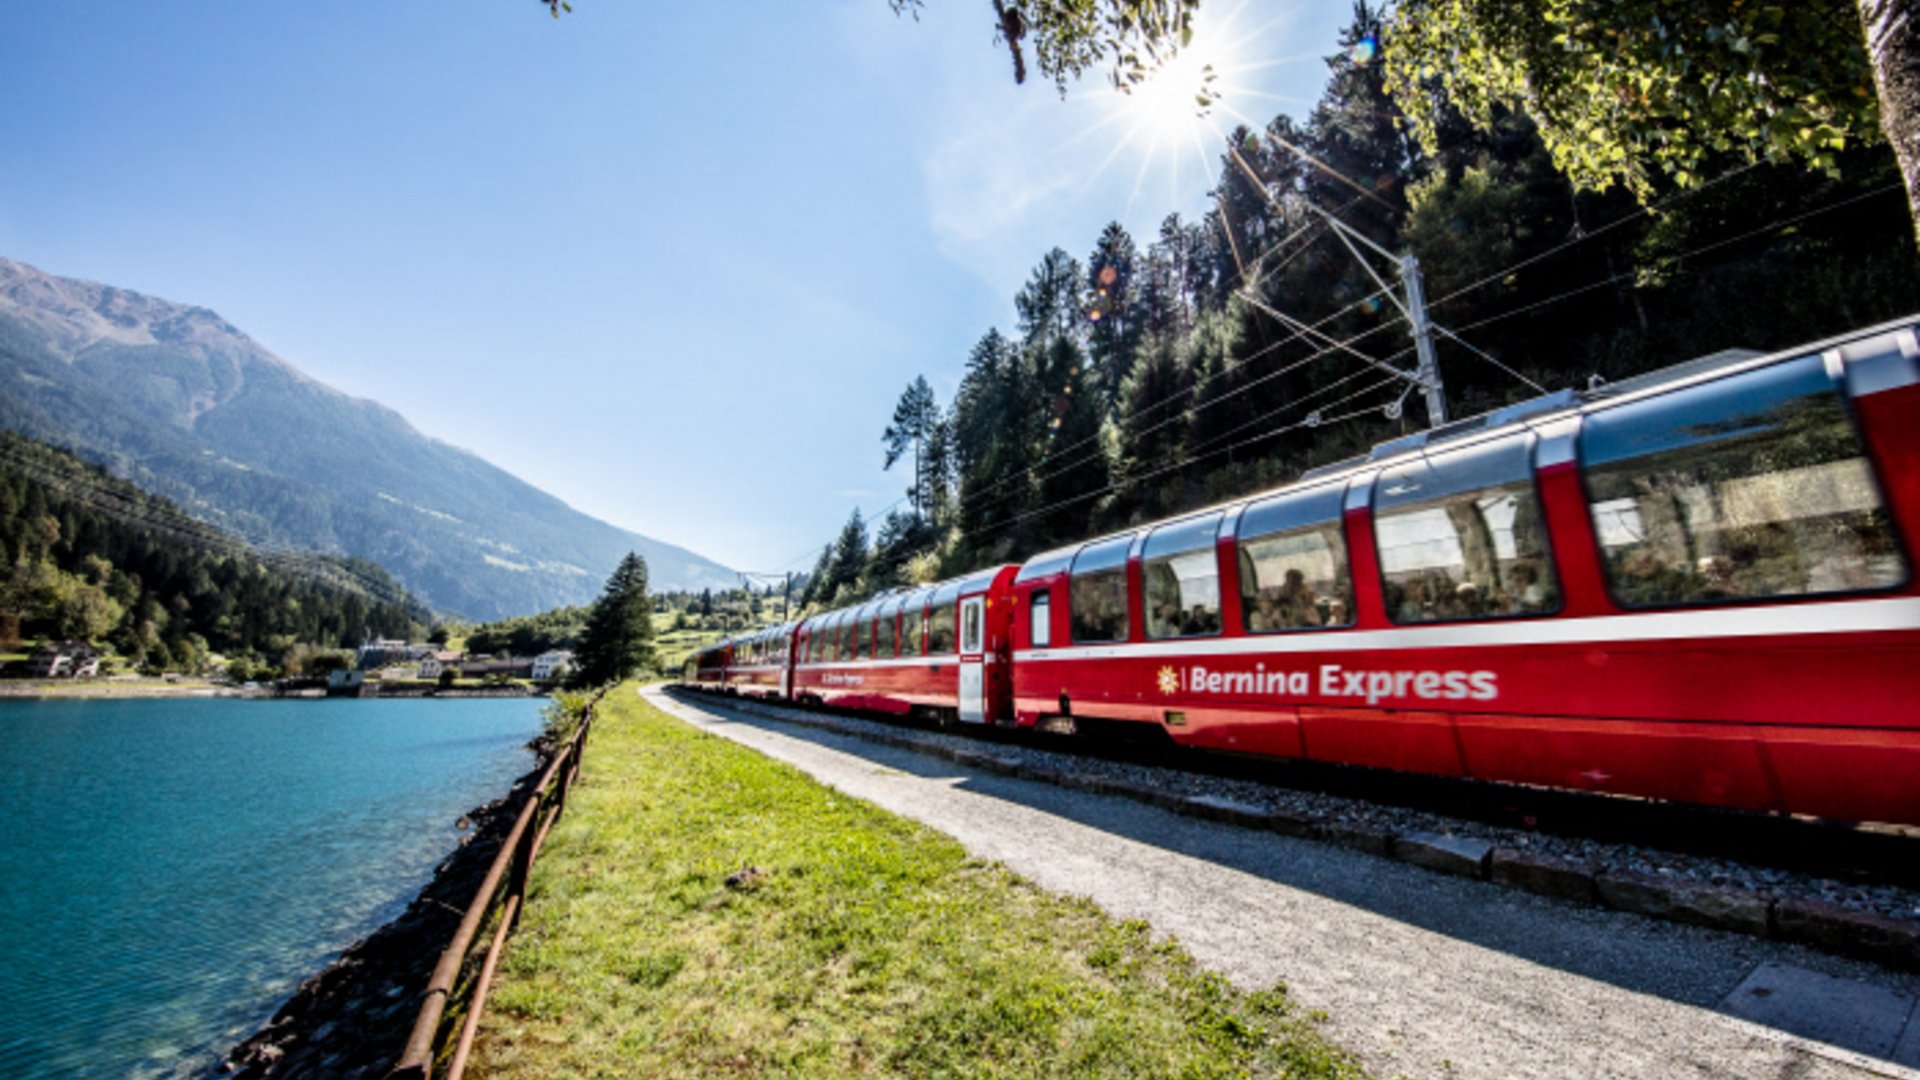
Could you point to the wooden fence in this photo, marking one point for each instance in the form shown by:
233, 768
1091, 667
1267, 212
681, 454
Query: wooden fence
434, 1049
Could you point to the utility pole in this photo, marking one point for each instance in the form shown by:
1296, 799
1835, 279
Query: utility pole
1413, 307
1428, 373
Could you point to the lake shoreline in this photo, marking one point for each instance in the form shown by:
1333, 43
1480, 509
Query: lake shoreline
352, 1019
89, 689
131, 689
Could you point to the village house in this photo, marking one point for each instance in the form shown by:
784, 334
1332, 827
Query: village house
432, 664
552, 664
64, 660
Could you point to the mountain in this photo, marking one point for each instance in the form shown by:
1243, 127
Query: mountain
179, 401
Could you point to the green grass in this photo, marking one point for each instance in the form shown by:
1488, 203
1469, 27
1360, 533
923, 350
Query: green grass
864, 944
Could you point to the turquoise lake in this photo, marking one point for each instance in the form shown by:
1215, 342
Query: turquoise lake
170, 870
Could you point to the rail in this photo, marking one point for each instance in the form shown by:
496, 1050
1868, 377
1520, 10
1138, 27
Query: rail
499, 900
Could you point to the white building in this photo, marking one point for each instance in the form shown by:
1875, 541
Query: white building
552, 664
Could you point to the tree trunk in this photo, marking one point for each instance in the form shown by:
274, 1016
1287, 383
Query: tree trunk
1893, 46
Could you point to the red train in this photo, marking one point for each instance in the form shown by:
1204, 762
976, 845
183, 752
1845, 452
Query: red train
1695, 585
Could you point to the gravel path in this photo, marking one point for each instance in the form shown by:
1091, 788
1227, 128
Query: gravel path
1423, 974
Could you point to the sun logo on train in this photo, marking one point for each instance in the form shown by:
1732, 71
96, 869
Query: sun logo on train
1169, 681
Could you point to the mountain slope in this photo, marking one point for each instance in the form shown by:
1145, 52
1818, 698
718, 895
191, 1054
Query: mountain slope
187, 406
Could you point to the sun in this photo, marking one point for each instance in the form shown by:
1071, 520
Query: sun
1175, 120
1174, 105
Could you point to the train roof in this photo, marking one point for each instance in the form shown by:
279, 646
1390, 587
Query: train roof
891, 600
1531, 414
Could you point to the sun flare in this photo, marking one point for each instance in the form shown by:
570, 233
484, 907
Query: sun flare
1174, 122
1175, 104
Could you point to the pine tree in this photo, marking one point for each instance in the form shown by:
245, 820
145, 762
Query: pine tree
916, 420
1115, 311
842, 576
618, 639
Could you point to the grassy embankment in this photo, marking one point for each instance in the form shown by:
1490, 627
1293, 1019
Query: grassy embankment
863, 944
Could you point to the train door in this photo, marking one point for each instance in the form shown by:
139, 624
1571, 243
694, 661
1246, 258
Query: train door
973, 661
785, 656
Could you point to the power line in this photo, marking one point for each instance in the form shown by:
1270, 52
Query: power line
1612, 279
1583, 235
1311, 420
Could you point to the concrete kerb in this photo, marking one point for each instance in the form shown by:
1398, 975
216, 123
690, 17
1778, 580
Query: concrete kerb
1828, 927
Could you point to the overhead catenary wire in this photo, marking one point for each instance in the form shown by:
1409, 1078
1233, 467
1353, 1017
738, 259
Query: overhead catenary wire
1613, 279
1208, 450
1179, 395
995, 494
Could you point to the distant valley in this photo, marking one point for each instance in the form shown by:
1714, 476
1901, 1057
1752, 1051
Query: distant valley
182, 403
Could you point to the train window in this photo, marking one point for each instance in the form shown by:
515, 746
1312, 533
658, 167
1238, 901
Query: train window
1461, 536
940, 628
885, 641
1293, 563
1039, 615
911, 641
1180, 573
1742, 488
1097, 591
971, 625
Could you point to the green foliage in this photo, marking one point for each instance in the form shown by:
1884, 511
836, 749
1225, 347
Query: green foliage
529, 635
561, 715
1625, 89
85, 555
840, 580
617, 640
1069, 37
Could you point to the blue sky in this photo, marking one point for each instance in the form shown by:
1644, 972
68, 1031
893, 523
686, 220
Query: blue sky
672, 262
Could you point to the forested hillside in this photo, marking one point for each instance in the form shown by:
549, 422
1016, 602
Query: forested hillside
90, 557
1231, 352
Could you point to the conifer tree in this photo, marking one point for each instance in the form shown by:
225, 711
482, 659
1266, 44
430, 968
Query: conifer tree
916, 421
842, 576
1115, 311
618, 639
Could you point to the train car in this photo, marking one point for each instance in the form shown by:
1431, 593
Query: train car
1695, 586
941, 651
707, 668
757, 663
